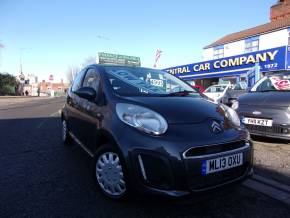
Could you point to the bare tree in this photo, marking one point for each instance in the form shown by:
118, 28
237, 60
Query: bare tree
71, 72
89, 60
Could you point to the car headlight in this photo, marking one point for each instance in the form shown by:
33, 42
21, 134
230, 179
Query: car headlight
141, 118
232, 116
235, 105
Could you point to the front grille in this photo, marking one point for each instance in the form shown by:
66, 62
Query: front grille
199, 182
212, 149
268, 129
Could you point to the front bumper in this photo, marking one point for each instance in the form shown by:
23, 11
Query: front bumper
158, 166
281, 121
276, 131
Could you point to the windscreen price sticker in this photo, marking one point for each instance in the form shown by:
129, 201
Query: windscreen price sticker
156, 82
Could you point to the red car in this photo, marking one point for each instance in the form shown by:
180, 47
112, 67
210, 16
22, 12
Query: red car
199, 88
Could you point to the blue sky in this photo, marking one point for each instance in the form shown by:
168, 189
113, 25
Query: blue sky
53, 35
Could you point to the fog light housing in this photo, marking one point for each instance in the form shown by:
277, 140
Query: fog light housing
155, 171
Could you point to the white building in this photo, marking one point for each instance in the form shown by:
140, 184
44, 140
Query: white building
235, 45
232, 56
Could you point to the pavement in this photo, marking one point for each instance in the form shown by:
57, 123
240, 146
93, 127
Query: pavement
42, 178
272, 159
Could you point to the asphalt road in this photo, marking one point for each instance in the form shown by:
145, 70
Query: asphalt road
42, 178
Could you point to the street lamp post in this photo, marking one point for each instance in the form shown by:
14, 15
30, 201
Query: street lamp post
21, 89
20, 58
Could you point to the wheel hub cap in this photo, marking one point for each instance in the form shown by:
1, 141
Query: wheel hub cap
110, 175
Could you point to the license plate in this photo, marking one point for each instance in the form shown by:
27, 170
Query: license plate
221, 163
257, 122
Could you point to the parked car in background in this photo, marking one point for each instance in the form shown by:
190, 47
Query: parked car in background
216, 92
149, 132
233, 92
265, 110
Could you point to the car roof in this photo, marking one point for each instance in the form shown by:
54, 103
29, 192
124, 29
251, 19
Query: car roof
122, 66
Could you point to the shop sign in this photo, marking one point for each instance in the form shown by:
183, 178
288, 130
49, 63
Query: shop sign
268, 60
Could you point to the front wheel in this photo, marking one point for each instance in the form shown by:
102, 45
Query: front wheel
109, 172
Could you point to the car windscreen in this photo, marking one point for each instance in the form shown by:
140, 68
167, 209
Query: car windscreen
214, 89
131, 81
276, 82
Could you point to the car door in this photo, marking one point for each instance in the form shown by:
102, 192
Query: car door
73, 104
89, 111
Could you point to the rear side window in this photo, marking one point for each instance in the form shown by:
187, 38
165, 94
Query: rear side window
265, 85
78, 81
92, 79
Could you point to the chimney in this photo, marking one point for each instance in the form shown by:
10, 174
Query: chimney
281, 10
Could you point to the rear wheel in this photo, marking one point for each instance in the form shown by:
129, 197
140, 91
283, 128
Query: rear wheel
66, 138
109, 172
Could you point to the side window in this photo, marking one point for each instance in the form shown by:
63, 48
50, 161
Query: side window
78, 81
92, 79
265, 85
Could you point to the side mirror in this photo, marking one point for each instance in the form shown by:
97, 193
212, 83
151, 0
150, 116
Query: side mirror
86, 92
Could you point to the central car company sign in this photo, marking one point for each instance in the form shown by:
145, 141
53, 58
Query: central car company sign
108, 58
268, 60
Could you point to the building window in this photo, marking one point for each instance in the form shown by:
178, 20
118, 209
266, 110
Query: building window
252, 44
288, 36
218, 52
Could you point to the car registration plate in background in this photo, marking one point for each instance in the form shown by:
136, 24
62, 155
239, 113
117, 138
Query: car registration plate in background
258, 122
221, 163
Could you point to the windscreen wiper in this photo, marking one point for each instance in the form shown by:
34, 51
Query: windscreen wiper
181, 93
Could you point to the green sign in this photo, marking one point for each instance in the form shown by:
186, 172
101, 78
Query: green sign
108, 58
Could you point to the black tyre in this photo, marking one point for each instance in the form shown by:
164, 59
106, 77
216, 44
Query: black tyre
110, 173
65, 136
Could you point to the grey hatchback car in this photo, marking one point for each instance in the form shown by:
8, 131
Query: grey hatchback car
265, 110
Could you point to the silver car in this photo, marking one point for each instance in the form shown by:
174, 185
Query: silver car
265, 110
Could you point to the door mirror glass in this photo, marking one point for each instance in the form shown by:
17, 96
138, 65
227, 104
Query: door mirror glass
86, 92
